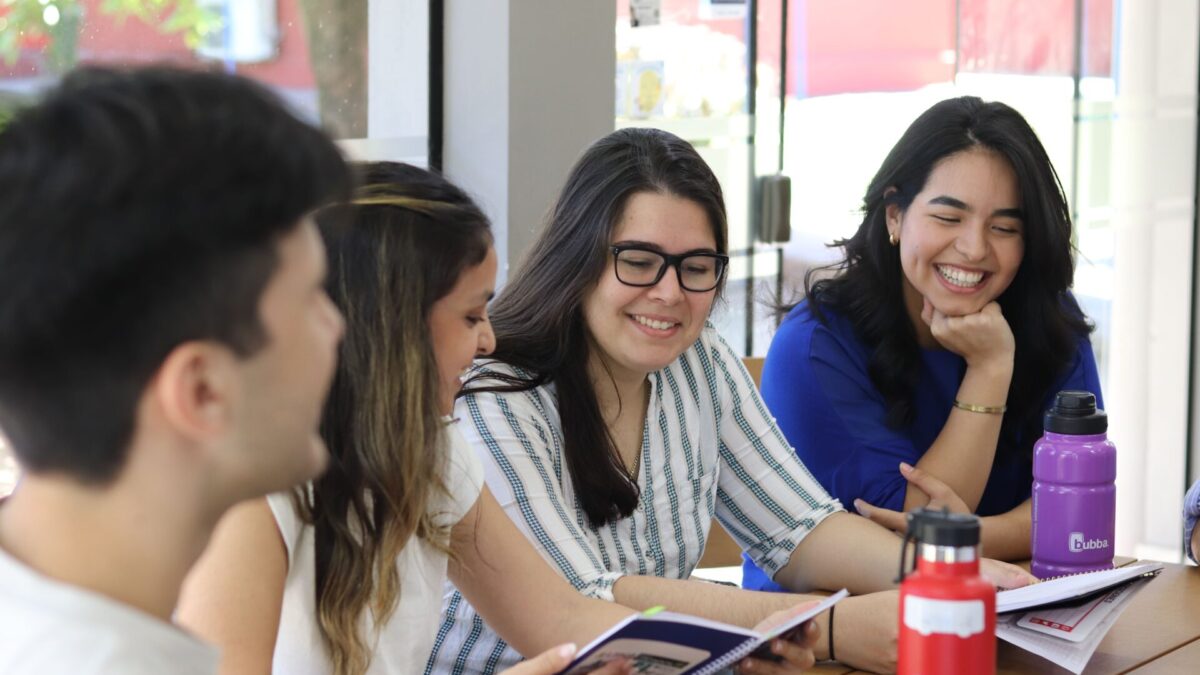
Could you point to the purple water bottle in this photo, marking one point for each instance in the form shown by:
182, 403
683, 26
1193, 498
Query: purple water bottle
1074, 497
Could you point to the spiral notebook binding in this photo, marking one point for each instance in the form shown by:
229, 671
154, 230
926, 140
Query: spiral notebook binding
1078, 595
730, 658
1143, 575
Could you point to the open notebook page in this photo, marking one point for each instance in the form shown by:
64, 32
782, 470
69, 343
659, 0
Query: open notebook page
1076, 586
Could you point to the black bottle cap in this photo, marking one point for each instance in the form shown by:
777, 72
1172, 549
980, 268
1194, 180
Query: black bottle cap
1075, 413
942, 528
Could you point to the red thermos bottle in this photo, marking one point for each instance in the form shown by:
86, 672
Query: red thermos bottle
947, 611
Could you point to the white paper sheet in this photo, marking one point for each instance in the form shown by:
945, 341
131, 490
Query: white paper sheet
1073, 656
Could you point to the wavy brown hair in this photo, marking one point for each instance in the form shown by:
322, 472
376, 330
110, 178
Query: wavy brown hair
393, 252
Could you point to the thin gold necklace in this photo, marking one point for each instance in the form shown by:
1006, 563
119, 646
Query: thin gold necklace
637, 459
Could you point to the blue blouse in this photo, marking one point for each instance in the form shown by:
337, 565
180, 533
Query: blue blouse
815, 382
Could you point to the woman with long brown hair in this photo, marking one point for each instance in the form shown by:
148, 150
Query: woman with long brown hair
347, 574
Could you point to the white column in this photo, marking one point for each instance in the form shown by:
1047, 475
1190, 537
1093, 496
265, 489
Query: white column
397, 68
397, 83
1153, 185
528, 86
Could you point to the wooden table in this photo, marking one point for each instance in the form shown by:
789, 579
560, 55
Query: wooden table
1158, 633
1186, 659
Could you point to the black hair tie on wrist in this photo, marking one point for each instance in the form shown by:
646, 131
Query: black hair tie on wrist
831, 655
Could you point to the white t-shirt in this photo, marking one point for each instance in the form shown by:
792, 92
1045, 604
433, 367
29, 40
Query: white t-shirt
47, 626
405, 642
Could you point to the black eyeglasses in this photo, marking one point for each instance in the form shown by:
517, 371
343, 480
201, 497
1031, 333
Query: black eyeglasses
697, 272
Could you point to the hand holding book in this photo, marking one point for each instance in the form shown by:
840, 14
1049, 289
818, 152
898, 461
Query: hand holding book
786, 641
665, 643
553, 660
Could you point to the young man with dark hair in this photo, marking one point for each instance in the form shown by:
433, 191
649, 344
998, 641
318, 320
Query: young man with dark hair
166, 345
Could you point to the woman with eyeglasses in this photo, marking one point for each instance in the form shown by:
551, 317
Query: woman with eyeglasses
919, 372
614, 422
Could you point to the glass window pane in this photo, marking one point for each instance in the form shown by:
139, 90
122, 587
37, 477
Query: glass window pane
687, 74
1029, 37
870, 45
313, 53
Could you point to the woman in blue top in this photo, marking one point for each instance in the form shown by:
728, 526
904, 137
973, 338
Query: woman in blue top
946, 330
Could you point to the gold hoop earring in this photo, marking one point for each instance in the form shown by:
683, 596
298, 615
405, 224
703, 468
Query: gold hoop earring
892, 238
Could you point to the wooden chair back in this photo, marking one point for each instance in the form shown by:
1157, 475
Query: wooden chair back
721, 550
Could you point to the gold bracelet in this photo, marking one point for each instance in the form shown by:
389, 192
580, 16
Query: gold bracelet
988, 409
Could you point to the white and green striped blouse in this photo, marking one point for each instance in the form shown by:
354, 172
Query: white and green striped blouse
709, 448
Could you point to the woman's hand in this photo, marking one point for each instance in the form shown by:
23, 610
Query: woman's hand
983, 338
1004, 575
940, 496
555, 659
795, 648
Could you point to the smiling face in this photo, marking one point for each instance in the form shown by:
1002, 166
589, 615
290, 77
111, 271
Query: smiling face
640, 330
961, 238
459, 327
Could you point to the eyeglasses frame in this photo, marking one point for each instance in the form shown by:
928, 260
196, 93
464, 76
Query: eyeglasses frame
669, 260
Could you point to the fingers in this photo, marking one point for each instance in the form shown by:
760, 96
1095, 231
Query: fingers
795, 658
1020, 577
893, 520
795, 651
808, 636
984, 334
555, 659
928, 483
1004, 575
989, 320
992, 310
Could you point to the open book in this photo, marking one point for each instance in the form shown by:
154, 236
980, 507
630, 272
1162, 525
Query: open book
1063, 620
666, 643
1071, 589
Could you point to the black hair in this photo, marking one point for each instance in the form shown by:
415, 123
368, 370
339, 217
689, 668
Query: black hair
1046, 321
538, 318
139, 210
